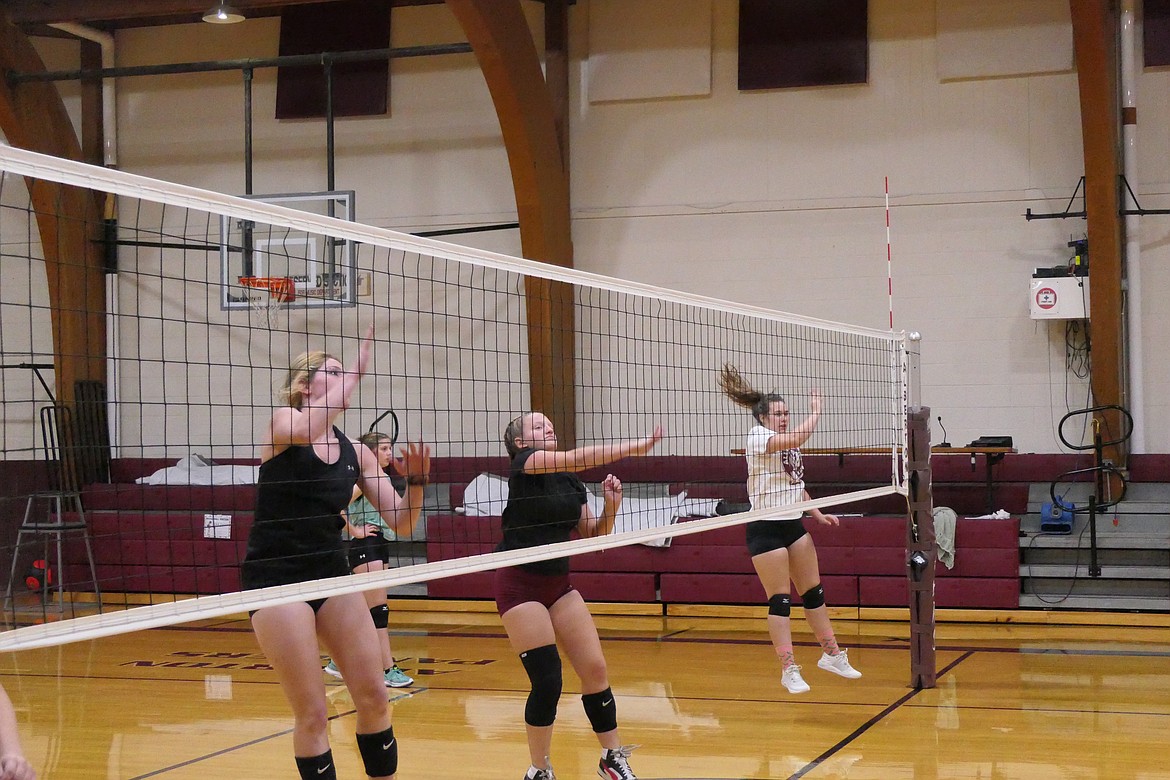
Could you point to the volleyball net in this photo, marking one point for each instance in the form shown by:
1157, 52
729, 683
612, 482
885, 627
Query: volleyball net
154, 321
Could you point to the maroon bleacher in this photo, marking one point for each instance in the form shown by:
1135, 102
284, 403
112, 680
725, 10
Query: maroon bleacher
862, 563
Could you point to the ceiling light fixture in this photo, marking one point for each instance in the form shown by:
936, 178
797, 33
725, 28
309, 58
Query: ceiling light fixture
222, 13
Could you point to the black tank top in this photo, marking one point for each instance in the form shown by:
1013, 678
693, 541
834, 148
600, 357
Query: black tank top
296, 533
542, 509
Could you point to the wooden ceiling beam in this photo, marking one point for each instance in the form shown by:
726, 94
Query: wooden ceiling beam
25, 13
499, 34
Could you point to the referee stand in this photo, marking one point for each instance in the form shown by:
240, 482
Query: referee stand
50, 515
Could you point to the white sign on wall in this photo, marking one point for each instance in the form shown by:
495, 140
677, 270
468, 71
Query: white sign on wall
1059, 298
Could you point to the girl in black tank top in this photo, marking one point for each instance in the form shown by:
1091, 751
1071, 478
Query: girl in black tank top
308, 473
546, 501
296, 533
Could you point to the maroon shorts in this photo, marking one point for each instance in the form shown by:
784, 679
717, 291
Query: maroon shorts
515, 586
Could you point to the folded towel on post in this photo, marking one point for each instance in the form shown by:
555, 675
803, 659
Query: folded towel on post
944, 534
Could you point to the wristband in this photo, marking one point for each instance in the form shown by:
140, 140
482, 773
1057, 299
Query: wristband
417, 481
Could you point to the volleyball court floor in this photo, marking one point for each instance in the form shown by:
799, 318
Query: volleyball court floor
701, 695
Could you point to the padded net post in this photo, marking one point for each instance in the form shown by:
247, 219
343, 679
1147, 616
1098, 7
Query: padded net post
920, 551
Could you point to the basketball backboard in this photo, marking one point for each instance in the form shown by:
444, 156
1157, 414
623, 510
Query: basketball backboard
322, 268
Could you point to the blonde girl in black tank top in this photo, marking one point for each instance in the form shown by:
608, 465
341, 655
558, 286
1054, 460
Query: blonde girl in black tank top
307, 475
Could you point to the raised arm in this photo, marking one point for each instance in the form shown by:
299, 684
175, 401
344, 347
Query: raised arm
582, 458
292, 427
796, 437
400, 512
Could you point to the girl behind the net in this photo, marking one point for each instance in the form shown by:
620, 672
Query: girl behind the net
782, 549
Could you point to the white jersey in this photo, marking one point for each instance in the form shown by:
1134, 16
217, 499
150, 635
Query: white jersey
775, 479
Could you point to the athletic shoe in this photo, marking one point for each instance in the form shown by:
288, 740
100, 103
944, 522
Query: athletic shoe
540, 774
396, 678
838, 664
792, 680
615, 763
331, 668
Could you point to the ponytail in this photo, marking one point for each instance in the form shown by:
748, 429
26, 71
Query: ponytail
735, 387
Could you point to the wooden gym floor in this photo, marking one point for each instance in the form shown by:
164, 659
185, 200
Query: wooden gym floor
699, 690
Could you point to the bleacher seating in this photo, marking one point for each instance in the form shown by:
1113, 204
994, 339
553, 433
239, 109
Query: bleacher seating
151, 537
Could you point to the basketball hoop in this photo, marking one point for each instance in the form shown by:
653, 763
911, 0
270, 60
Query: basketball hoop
281, 290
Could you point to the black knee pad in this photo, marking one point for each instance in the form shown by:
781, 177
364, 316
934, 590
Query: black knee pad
780, 605
600, 710
381, 615
543, 665
814, 597
379, 752
317, 767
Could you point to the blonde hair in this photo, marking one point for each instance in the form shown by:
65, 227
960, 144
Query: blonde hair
292, 390
735, 387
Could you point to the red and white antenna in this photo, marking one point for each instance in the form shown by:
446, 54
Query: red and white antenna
889, 257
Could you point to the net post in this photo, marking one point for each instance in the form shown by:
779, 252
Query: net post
920, 546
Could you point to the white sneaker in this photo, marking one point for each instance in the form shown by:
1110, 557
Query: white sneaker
838, 664
792, 680
540, 774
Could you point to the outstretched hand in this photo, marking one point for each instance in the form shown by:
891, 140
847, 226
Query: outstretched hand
414, 462
648, 443
814, 402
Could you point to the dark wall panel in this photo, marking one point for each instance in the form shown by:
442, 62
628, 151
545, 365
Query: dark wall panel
359, 88
1156, 32
802, 43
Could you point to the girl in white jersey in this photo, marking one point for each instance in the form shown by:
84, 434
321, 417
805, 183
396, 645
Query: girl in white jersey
781, 549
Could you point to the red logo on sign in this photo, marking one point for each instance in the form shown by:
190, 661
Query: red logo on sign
1046, 297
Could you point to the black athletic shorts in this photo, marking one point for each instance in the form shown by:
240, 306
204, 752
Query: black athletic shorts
768, 535
368, 549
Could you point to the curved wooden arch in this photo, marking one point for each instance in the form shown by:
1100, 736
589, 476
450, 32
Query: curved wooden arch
499, 36
1095, 26
33, 117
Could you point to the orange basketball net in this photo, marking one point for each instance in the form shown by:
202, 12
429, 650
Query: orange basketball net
281, 291
281, 288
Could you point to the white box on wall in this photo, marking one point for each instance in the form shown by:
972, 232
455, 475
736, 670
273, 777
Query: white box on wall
217, 526
1060, 298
